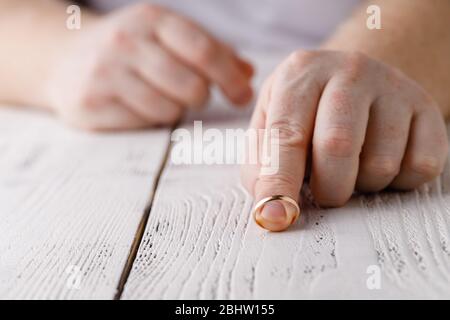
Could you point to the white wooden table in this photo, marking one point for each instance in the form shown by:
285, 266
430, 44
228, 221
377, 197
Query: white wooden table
108, 216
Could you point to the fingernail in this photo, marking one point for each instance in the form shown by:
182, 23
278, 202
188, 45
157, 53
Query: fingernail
274, 217
277, 215
274, 211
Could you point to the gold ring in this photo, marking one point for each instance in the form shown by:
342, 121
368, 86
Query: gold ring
261, 203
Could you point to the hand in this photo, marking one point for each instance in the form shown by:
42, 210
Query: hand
363, 124
142, 66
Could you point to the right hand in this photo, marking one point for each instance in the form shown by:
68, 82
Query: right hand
142, 66
363, 124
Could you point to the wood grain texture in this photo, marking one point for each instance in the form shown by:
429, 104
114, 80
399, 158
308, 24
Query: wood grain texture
70, 205
201, 243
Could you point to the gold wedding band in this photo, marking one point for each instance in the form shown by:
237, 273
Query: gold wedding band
260, 205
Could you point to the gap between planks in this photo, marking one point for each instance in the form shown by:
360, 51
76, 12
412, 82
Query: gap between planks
142, 224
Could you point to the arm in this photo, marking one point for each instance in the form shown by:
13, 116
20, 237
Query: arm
33, 35
415, 37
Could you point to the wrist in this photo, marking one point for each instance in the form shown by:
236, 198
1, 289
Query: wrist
65, 53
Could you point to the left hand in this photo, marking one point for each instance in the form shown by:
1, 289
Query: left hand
364, 124
142, 66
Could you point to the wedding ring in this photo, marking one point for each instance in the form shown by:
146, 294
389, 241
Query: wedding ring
292, 209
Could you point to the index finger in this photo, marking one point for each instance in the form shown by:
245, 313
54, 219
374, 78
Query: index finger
196, 47
291, 111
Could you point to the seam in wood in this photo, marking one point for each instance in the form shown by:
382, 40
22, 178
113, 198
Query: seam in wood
142, 225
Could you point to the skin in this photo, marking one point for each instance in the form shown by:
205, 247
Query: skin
137, 67
367, 109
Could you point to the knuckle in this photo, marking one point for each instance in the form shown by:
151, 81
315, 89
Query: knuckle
338, 142
357, 58
426, 166
283, 183
382, 166
291, 133
297, 74
121, 39
356, 64
295, 65
395, 79
300, 58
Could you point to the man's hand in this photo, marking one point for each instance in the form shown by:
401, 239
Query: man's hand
364, 124
142, 66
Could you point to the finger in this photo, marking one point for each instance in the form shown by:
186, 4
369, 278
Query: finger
246, 67
291, 111
426, 151
384, 145
169, 76
146, 101
196, 47
338, 137
251, 167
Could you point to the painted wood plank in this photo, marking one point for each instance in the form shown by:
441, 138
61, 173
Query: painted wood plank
70, 205
201, 243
